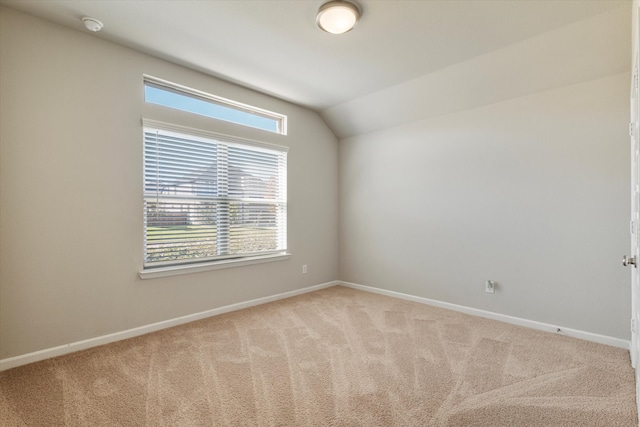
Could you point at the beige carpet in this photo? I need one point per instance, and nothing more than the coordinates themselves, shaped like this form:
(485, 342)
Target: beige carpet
(336, 357)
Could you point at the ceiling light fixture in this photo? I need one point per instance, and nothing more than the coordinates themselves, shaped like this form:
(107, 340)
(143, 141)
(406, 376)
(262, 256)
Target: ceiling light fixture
(337, 16)
(92, 24)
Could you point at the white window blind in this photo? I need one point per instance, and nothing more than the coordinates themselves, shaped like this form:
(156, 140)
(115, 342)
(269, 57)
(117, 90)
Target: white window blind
(208, 197)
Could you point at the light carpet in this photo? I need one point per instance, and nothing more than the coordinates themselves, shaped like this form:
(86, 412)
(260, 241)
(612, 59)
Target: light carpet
(335, 357)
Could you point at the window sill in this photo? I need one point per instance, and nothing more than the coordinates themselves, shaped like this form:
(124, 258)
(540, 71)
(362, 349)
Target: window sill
(175, 270)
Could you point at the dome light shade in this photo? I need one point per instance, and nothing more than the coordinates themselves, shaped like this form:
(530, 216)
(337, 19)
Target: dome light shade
(337, 16)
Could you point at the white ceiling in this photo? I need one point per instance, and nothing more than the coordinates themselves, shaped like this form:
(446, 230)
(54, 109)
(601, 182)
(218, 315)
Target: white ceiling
(275, 47)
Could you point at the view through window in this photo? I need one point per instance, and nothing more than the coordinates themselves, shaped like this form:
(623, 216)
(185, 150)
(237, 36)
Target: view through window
(210, 197)
(193, 101)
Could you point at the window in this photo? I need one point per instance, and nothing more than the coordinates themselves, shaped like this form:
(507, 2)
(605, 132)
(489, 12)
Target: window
(209, 197)
(170, 95)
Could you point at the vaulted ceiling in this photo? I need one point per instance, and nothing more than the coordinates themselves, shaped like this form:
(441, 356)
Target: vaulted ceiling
(404, 61)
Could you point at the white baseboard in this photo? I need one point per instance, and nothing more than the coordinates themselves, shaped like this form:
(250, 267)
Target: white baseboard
(588, 336)
(37, 356)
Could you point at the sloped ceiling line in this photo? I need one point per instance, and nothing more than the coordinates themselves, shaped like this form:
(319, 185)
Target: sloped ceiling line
(597, 47)
(406, 60)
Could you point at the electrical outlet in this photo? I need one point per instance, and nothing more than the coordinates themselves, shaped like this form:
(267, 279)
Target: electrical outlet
(490, 287)
(304, 268)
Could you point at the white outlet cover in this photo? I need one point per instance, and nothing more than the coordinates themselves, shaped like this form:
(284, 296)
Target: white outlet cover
(490, 287)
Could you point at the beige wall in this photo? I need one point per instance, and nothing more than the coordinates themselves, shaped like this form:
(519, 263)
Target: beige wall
(71, 192)
(634, 25)
(532, 193)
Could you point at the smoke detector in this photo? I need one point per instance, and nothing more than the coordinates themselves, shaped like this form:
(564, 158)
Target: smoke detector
(92, 24)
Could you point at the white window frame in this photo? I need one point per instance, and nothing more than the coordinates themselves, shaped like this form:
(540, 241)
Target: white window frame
(196, 265)
(280, 119)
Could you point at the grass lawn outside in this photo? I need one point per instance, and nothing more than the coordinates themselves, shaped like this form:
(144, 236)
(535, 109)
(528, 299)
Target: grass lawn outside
(183, 242)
